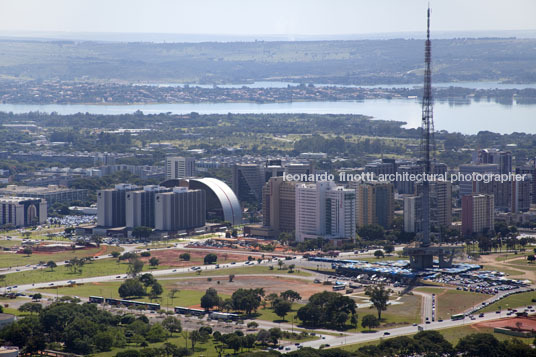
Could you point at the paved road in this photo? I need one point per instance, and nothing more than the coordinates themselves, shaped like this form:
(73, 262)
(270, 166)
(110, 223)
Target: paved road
(17, 269)
(134, 248)
(121, 277)
(351, 338)
(427, 310)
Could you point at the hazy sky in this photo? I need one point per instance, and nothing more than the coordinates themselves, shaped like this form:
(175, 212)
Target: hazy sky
(268, 17)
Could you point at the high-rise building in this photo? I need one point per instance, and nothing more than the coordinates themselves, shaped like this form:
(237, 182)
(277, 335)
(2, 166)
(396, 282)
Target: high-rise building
(509, 196)
(412, 214)
(22, 211)
(111, 205)
(181, 209)
(279, 205)
(140, 206)
(325, 210)
(404, 169)
(521, 195)
(439, 168)
(248, 180)
(272, 168)
(407, 186)
(440, 207)
(478, 214)
(530, 171)
(178, 167)
(467, 186)
(382, 167)
(300, 169)
(374, 203)
(503, 159)
(441, 203)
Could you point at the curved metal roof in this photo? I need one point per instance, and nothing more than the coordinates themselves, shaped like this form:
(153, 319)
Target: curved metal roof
(227, 198)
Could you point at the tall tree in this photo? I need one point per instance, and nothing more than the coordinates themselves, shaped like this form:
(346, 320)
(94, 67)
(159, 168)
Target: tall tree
(172, 324)
(135, 266)
(290, 295)
(131, 288)
(370, 321)
(379, 297)
(282, 307)
(210, 299)
(51, 264)
(156, 290)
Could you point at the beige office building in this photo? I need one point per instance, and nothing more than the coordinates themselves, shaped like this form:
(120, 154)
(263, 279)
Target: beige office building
(279, 205)
(478, 214)
(374, 203)
(179, 210)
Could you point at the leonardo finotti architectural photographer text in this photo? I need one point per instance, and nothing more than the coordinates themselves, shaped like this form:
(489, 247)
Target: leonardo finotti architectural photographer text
(407, 177)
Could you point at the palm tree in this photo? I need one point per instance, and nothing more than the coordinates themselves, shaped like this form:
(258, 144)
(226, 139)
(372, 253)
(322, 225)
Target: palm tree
(172, 294)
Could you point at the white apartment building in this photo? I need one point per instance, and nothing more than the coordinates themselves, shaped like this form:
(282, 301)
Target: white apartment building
(325, 210)
(179, 167)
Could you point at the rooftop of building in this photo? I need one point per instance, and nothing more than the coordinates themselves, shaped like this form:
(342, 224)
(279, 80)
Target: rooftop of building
(15, 199)
(14, 189)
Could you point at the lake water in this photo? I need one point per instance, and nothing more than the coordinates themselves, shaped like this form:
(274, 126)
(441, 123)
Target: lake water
(464, 118)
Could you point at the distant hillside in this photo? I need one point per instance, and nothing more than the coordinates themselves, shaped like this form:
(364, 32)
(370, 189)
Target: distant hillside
(342, 62)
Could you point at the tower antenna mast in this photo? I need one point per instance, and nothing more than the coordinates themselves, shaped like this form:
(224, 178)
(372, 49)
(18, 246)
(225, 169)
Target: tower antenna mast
(427, 134)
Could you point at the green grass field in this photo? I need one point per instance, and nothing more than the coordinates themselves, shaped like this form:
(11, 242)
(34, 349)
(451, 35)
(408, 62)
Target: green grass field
(505, 256)
(405, 313)
(522, 263)
(512, 301)
(9, 243)
(110, 290)
(9, 310)
(453, 335)
(429, 289)
(503, 269)
(268, 314)
(253, 269)
(98, 268)
(201, 349)
(14, 260)
(456, 301)
(451, 301)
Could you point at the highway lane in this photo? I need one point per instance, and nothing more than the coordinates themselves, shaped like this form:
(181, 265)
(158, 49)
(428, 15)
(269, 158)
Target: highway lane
(134, 248)
(121, 277)
(426, 311)
(352, 338)
(28, 267)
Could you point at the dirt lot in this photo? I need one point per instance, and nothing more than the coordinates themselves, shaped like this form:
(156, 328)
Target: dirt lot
(527, 323)
(271, 284)
(170, 257)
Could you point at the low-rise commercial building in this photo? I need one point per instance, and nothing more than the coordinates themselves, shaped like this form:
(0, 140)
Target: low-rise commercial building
(50, 193)
(22, 211)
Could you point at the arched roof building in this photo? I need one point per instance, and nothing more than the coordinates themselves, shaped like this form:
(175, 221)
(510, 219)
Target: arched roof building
(222, 202)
